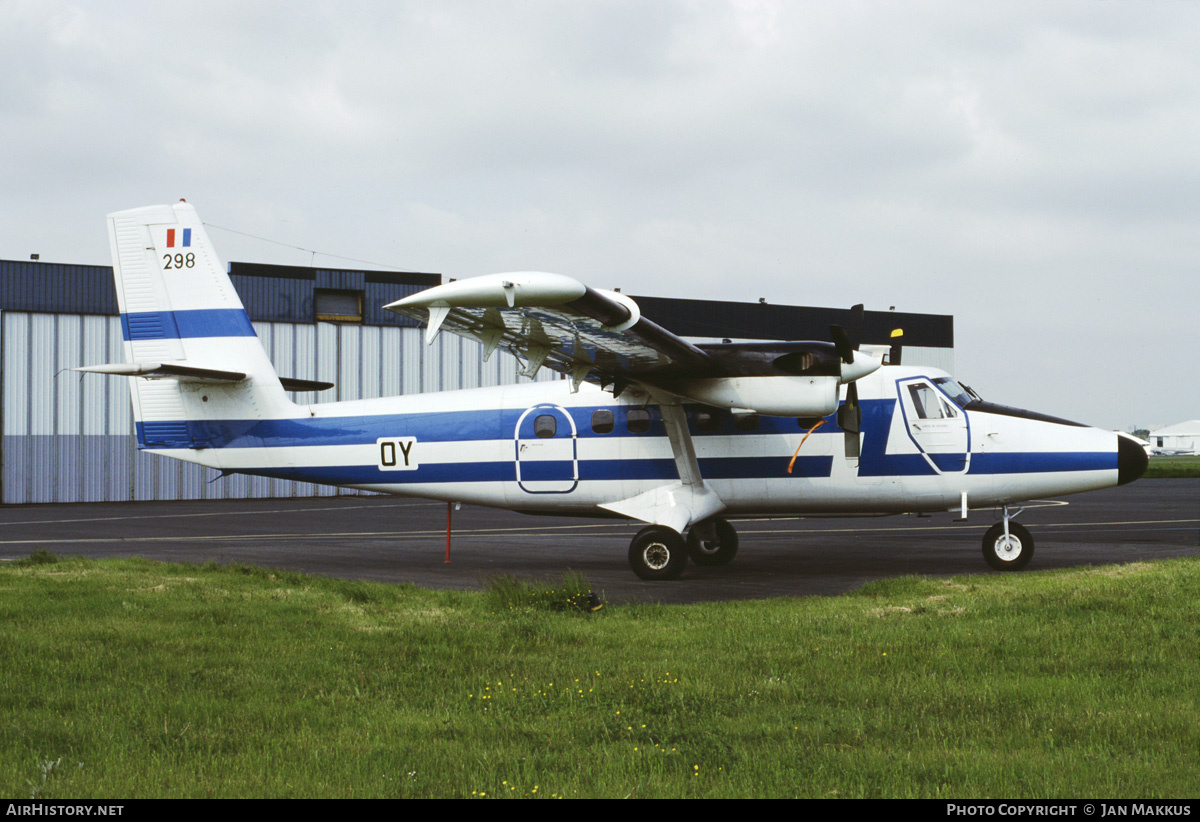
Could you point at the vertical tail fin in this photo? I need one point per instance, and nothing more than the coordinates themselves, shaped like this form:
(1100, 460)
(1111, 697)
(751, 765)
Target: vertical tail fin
(179, 311)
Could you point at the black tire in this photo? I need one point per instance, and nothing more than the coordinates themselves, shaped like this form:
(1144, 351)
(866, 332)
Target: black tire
(658, 553)
(720, 551)
(1011, 556)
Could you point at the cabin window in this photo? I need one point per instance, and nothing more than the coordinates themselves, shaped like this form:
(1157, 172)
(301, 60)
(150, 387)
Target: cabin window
(545, 426)
(603, 421)
(926, 401)
(708, 421)
(638, 420)
(746, 422)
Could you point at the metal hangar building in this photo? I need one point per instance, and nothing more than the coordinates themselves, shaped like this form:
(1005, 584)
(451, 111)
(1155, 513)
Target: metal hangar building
(68, 437)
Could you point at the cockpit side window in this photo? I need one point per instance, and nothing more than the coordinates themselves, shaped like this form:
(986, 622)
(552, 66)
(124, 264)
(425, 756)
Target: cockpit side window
(926, 401)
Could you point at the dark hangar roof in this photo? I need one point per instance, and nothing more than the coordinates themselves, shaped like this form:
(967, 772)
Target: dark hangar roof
(277, 293)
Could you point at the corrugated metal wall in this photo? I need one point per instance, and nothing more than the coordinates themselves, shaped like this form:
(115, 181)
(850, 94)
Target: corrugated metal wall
(68, 437)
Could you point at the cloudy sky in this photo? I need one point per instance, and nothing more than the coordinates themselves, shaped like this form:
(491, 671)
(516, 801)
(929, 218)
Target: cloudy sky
(1031, 168)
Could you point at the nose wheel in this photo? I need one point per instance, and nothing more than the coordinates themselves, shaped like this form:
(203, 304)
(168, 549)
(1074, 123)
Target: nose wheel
(1007, 546)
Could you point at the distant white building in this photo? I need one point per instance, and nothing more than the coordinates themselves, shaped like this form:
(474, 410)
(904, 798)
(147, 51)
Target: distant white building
(1183, 438)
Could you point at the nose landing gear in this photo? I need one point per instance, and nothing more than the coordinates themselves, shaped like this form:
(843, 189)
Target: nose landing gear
(1007, 545)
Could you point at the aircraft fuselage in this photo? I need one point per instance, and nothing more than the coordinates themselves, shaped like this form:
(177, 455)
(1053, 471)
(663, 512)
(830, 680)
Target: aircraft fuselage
(539, 447)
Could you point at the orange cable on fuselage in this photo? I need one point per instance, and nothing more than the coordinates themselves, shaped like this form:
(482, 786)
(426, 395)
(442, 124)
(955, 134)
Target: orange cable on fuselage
(801, 445)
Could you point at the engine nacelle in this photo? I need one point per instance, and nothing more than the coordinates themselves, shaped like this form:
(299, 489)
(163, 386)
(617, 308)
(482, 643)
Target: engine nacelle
(772, 396)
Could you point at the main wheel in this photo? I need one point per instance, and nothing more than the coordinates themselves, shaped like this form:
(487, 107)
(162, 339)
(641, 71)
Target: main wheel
(1011, 553)
(658, 552)
(718, 547)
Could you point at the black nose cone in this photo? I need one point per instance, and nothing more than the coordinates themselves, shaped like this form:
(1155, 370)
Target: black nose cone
(1131, 460)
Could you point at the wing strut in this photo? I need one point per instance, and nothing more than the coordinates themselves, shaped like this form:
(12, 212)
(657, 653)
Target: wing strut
(679, 504)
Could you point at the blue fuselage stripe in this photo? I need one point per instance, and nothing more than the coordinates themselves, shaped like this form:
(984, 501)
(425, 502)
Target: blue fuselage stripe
(589, 471)
(445, 426)
(1039, 462)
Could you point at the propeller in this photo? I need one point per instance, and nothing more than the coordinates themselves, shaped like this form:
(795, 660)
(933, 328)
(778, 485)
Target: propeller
(849, 415)
(897, 346)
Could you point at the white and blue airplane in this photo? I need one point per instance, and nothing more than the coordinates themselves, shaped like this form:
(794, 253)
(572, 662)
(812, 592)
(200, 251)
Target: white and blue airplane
(646, 425)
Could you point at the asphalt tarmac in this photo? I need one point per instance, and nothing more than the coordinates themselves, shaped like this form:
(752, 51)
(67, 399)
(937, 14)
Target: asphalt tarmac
(392, 539)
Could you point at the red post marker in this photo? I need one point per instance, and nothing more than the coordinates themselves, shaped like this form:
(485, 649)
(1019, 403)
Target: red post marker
(449, 509)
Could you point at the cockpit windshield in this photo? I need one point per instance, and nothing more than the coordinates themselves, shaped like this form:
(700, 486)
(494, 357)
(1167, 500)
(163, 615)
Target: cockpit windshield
(961, 395)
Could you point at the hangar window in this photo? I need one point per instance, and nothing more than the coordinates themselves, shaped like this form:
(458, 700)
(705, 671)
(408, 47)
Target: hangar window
(603, 421)
(638, 420)
(545, 426)
(332, 306)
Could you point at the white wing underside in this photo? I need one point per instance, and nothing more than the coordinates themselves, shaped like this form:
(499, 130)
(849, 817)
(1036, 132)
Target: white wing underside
(549, 337)
(549, 321)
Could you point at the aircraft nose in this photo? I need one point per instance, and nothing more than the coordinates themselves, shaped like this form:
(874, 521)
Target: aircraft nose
(1131, 460)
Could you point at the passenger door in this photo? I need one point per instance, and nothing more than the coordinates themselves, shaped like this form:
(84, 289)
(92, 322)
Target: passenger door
(547, 459)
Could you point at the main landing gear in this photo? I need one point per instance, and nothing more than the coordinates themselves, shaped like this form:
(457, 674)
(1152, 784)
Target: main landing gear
(659, 552)
(1007, 545)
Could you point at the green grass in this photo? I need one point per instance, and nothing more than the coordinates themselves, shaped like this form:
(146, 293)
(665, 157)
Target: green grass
(1173, 467)
(570, 592)
(128, 678)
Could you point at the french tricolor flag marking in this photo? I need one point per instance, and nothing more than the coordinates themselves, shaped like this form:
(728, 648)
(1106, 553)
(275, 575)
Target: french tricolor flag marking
(185, 241)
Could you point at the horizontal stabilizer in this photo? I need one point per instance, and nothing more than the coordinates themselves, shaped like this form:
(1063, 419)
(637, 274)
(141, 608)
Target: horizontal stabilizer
(294, 384)
(165, 371)
(188, 373)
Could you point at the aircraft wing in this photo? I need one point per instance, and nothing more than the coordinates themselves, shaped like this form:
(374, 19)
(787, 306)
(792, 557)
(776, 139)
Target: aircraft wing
(557, 322)
(560, 323)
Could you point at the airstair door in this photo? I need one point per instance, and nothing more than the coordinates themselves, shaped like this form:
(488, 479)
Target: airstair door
(547, 457)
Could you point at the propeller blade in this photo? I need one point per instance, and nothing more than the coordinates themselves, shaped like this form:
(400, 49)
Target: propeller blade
(847, 342)
(841, 341)
(857, 317)
(850, 420)
(897, 346)
(850, 414)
